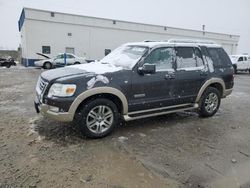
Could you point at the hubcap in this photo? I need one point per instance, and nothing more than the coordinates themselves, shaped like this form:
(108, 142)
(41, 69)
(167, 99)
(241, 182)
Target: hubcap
(100, 119)
(211, 102)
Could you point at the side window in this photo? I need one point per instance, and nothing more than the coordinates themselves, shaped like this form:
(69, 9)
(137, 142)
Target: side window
(219, 57)
(69, 56)
(245, 58)
(186, 57)
(240, 59)
(162, 58)
(61, 56)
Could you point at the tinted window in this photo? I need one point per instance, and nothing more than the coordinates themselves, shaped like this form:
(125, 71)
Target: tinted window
(245, 58)
(219, 57)
(240, 59)
(188, 57)
(46, 49)
(69, 56)
(61, 56)
(162, 58)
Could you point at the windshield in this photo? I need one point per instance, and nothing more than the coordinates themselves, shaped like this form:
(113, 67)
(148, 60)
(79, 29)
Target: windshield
(125, 56)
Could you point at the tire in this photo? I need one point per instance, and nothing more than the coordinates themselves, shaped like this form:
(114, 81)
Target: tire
(210, 102)
(77, 63)
(47, 65)
(8, 66)
(91, 118)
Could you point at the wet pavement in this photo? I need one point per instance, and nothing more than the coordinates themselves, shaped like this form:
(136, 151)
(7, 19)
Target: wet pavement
(176, 150)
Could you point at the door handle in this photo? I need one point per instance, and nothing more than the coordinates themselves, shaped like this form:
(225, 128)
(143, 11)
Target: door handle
(170, 76)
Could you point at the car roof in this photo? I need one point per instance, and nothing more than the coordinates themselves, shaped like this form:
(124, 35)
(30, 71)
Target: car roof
(176, 42)
(239, 55)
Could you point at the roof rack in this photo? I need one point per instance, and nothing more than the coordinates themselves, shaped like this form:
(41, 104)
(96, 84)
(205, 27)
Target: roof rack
(190, 41)
(149, 41)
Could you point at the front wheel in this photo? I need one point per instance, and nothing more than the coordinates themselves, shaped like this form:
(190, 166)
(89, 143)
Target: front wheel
(97, 118)
(210, 102)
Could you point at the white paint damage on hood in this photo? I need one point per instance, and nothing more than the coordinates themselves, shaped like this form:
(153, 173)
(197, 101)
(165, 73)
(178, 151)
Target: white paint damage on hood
(97, 67)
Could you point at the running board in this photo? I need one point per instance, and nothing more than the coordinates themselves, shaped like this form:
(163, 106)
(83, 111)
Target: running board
(161, 111)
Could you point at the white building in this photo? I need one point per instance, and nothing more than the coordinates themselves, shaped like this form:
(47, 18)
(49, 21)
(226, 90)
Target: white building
(51, 33)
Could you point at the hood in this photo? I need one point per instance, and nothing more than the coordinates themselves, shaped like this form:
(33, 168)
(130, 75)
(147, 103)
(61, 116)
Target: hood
(40, 54)
(95, 68)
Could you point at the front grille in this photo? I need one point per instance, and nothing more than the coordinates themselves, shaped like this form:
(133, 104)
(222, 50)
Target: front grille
(41, 86)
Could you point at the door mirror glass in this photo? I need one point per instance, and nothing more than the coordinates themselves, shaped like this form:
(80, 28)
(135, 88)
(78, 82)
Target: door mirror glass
(147, 69)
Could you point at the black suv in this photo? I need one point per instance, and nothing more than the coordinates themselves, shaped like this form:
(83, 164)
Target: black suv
(7, 62)
(137, 80)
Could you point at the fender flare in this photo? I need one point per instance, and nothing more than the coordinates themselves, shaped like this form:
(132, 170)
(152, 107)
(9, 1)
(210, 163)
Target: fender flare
(208, 83)
(99, 90)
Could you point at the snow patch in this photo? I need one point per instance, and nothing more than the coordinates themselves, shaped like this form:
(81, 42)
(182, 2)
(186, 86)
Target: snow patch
(97, 67)
(94, 80)
(122, 139)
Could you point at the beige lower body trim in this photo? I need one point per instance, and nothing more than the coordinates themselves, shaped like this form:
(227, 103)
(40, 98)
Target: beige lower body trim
(207, 83)
(58, 116)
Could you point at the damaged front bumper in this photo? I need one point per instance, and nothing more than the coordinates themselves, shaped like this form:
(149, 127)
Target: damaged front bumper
(52, 112)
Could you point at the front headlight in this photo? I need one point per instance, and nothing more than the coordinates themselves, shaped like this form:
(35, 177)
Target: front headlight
(62, 90)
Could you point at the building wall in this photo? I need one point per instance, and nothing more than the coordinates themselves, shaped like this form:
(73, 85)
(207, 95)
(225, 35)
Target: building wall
(91, 36)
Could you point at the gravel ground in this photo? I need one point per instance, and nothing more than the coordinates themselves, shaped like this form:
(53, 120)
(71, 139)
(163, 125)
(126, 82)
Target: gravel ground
(178, 150)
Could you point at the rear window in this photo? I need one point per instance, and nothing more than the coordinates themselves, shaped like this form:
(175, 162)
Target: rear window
(219, 57)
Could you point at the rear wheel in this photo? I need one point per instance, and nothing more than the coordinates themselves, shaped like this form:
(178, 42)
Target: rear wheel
(47, 65)
(210, 102)
(97, 118)
(77, 63)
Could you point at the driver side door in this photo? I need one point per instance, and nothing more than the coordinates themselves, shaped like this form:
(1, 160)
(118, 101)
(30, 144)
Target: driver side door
(157, 89)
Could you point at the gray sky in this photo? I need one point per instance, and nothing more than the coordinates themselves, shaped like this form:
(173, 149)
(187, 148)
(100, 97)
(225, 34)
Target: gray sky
(225, 16)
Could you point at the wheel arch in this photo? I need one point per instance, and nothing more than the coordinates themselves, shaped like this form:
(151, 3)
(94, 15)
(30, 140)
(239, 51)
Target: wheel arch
(110, 93)
(47, 62)
(217, 83)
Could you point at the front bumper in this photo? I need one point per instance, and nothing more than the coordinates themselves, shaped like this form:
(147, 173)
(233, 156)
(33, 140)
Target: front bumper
(58, 116)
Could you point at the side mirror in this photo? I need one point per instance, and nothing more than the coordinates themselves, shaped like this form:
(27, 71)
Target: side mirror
(147, 69)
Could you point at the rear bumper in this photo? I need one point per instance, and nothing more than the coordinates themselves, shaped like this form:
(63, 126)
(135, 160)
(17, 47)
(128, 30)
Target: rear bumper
(46, 110)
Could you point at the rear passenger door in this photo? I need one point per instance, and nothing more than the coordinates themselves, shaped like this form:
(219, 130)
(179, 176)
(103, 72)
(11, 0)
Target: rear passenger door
(190, 73)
